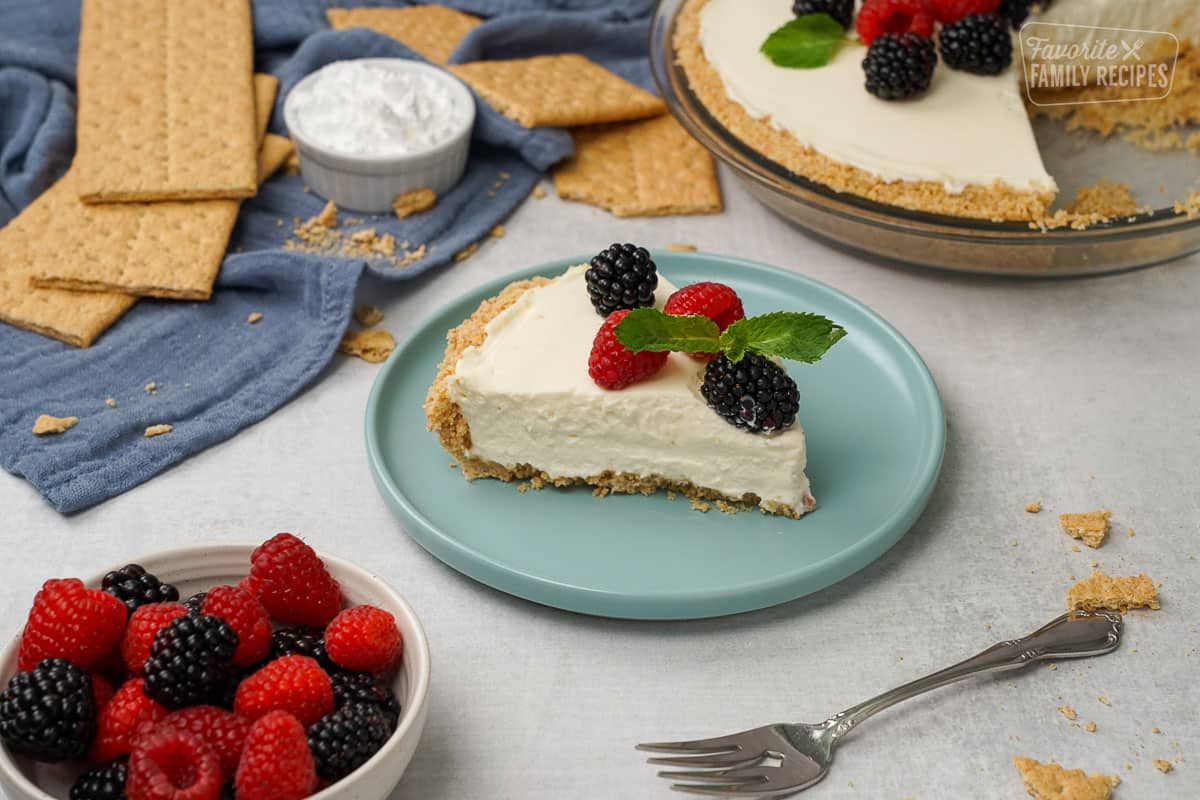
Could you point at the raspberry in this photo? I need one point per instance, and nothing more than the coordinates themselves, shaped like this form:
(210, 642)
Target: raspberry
(614, 366)
(105, 782)
(135, 587)
(840, 10)
(143, 625)
(713, 300)
(119, 721)
(362, 687)
(189, 661)
(344, 741)
(293, 584)
(70, 621)
(170, 764)
(954, 10)
(102, 691)
(222, 731)
(246, 616)
(755, 393)
(980, 43)
(295, 684)
(276, 763)
(621, 276)
(302, 641)
(363, 639)
(899, 65)
(877, 17)
(48, 713)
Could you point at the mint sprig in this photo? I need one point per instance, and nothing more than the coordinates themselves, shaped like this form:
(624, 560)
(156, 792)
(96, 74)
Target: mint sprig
(805, 42)
(783, 334)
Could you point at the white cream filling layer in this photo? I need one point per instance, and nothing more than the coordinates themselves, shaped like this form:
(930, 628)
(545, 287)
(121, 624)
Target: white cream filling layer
(528, 399)
(966, 130)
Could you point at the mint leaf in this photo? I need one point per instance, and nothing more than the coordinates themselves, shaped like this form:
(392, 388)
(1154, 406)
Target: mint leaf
(650, 329)
(805, 42)
(786, 334)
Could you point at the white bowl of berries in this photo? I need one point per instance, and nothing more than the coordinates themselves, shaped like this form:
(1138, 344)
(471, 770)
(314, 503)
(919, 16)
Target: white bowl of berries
(229, 672)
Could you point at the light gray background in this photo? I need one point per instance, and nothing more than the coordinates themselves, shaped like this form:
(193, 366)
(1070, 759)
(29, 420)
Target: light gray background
(1084, 394)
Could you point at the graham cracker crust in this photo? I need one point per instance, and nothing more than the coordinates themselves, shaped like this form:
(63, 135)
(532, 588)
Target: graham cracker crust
(996, 202)
(444, 417)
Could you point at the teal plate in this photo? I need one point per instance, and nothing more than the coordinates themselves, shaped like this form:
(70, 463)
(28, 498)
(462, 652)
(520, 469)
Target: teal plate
(876, 434)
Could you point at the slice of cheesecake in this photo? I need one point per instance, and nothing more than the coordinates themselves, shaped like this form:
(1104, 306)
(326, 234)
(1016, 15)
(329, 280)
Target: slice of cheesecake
(513, 400)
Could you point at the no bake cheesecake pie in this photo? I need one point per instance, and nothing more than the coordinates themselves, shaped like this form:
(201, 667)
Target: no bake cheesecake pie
(536, 385)
(881, 122)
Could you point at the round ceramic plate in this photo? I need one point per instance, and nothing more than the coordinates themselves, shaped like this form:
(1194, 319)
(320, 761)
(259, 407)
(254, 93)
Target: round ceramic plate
(875, 429)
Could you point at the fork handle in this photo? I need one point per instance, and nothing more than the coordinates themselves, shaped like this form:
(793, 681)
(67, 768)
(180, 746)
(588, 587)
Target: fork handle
(1068, 636)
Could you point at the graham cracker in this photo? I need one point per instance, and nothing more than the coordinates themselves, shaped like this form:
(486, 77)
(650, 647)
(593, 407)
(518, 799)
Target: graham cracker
(414, 202)
(640, 169)
(1113, 592)
(171, 250)
(166, 100)
(561, 90)
(433, 31)
(1052, 781)
(1091, 527)
(373, 345)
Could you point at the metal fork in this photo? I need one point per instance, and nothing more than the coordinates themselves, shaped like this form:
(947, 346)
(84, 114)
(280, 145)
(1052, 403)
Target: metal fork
(781, 759)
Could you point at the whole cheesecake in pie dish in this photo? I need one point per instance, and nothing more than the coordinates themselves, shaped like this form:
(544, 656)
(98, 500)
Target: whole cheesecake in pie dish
(536, 386)
(918, 103)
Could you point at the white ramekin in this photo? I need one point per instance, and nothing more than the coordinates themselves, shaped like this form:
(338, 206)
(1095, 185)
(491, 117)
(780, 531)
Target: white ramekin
(370, 183)
(194, 569)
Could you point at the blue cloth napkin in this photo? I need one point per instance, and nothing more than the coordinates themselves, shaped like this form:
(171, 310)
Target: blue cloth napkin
(214, 373)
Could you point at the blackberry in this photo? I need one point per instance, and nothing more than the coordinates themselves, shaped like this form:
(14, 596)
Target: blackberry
(840, 10)
(899, 65)
(134, 587)
(362, 687)
(755, 393)
(106, 782)
(302, 641)
(195, 602)
(978, 43)
(189, 661)
(622, 276)
(48, 713)
(1016, 11)
(342, 742)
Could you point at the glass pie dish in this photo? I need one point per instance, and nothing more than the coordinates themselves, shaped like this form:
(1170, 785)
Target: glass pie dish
(959, 244)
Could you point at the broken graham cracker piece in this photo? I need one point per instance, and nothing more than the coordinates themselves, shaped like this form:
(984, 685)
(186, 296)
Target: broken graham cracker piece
(328, 216)
(266, 86)
(1052, 781)
(374, 345)
(274, 153)
(1113, 593)
(1091, 527)
(414, 202)
(557, 90)
(166, 101)
(254, 317)
(46, 424)
(1162, 765)
(1033, 506)
(642, 169)
(432, 30)
(368, 315)
(158, 430)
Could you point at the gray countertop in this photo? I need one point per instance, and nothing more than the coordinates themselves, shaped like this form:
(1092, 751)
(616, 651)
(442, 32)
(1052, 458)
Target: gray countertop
(1083, 394)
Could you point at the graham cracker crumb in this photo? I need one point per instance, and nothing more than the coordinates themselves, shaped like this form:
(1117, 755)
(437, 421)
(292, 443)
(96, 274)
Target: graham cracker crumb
(1189, 205)
(670, 496)
(1091, 527)
(1114, 593)
(682, 247)
(1052, 667)
(46, 424)
(522, 487)
(1075, 549)
(1033, 506)
(414, 202)
(108, 401)
(158, 430)
(1104, 700)
(466, 252)
(328, 216)
(538, 192)
(373, 345)
(1052, 781)
(368, 315)
(727, 507)
(1104, 198)
(1090, 727)
(312, 236)
(1068, 712)
(700, 505)
(1162, 765)
(364, 236)
(1155, 729)
(151, 387)
(254, 317)
(1131, 533)
(497, 231)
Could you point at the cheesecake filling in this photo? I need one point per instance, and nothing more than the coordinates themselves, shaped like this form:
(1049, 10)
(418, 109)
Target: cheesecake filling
(527, 397)
(965, 130)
